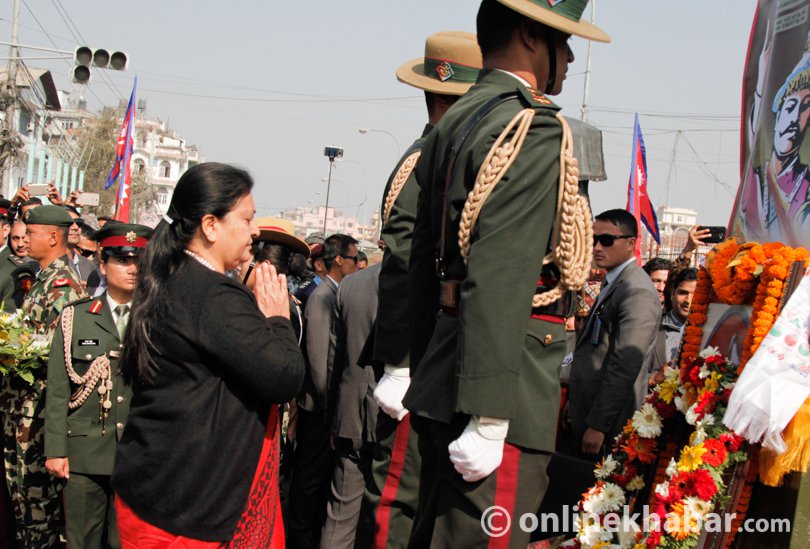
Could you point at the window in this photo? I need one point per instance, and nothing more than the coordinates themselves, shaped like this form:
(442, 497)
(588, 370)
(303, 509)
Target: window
(162, 196)
(140, 167)
(142, 139)
(165, 169)
(680, 219)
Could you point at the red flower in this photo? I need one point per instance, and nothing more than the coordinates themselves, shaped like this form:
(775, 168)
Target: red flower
(705, 404)
(732, 441)
(666, 411)
(654, 539)
(697, 483)
(642, 449)
(630, 471)
(694, 376)
(715, 452)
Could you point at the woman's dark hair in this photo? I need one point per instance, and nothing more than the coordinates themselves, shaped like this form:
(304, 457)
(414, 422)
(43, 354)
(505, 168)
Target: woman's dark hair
(281, 257)
(208, 188)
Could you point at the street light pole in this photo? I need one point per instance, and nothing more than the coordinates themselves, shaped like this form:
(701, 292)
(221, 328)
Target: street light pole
(394, 137)
(331, 153)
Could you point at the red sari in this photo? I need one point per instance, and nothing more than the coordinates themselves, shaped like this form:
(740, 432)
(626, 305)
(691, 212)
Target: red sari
(260, 526)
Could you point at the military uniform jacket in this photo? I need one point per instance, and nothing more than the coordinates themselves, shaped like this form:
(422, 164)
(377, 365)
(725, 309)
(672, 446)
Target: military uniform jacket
(77, 434)
(392, 330)
(491, 359)
(16, 277)
(54, 287)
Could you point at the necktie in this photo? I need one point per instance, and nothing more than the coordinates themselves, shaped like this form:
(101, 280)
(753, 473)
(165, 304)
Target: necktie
(122, 312)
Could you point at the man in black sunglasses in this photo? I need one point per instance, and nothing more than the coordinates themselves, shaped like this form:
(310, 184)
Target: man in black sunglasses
(82, 265)
(608, 383)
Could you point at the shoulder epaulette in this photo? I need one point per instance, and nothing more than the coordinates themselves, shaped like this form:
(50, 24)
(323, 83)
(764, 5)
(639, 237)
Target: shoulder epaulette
(16, 260)
(61, 282)
(79, 301)
(96, 307)
(537, 98)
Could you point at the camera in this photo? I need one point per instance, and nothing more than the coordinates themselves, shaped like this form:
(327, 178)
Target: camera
(333, 152)
(718, 234)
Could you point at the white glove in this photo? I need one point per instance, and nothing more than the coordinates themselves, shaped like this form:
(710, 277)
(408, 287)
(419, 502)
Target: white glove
(391, 390)
(479, 449)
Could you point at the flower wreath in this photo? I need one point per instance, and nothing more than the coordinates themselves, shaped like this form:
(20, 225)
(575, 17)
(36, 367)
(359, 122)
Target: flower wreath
(689, 487)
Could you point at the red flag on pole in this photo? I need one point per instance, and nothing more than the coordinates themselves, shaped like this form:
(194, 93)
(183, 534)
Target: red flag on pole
(638, 201)
(123, 159)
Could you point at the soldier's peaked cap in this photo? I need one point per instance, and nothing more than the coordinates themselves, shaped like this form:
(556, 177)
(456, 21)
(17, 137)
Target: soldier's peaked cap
(48, 215)
(123, 239)
(563, 15)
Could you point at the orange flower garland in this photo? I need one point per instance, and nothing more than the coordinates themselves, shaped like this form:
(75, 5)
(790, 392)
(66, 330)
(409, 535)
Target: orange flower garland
(693, 332)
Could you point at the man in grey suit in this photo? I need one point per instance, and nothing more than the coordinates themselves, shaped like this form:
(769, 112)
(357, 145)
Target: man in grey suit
(607, 381)
(354, 409)
(312, 462)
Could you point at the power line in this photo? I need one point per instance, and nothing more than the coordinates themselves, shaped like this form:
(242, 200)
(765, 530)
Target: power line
(268, 100)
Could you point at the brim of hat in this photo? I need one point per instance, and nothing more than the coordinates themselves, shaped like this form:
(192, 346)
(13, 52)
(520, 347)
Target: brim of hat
(293, 242)
(583, 29)
(413, 74)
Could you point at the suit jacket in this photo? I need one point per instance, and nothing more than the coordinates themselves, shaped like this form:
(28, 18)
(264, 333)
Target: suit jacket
(492, 359)
(85, 268)
(16, 277)
(662, 353)
(79, 434)
(607, 381)
(317, 329)
(392, 331)
(355, 411)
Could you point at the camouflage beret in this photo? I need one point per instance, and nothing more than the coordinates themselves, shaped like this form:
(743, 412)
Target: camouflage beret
(48, 215)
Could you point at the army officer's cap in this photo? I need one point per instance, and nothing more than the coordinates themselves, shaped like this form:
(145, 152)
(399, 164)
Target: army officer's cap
(48, 215)
(123, 239)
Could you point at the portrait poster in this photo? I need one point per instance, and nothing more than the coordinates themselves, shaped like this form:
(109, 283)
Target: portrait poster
(773, 199)
(726, 327)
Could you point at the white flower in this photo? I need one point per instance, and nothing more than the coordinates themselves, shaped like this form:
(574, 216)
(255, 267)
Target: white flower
(613, 497)
(697, 506)
(672, 468)
(647, 422)
(636, 484)
(662, 489)
(680, 404)
(703, 373)
(708, 419)
(709, 352)
(691, 414)
(672, 374)
(700, 434)
(607, 467)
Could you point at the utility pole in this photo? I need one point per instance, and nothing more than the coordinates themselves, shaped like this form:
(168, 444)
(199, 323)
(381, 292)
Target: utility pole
(11, 93)
(584, 108)
(331, 153)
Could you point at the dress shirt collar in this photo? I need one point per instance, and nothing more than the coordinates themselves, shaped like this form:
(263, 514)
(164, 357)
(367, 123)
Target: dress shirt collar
(113, 304)
(516, 77)
(614, 273)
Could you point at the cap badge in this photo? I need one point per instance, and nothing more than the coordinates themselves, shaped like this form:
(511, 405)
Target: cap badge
(445, 71)
(553, 3)
(131, 237)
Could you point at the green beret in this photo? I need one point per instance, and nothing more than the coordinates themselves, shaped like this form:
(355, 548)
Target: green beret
(48, 215)
(123, 239)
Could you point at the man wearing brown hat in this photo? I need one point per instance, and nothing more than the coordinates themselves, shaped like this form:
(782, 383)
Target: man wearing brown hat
(34, 493)
(448, 69)
(488, 321)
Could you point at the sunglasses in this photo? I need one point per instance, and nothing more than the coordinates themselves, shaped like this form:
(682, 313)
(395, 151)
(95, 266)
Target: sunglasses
(79, 222)
(352, 257)
(607, 240)
(86, 253)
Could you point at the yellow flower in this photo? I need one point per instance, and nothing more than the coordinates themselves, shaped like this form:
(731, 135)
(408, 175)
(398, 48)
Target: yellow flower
(691, 457)
(669, 390)
(712, 383)
(601, 545)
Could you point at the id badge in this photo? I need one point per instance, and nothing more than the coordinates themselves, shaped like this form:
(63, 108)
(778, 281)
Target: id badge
(596, 330)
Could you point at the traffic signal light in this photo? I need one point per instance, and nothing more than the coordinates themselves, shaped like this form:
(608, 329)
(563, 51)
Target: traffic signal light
(85, 57)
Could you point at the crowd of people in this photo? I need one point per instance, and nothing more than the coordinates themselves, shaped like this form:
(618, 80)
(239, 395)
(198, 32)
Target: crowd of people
(221, 382)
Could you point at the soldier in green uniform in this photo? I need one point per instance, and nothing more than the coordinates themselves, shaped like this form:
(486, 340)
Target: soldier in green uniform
(34, 493)
(448, 69)
(88, 402)
(16, 275)
(488, 332)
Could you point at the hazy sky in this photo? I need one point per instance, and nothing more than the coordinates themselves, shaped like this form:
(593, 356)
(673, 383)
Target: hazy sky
(268, 84)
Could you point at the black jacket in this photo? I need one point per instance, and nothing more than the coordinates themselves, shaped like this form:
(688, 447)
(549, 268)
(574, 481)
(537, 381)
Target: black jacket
(191, 447)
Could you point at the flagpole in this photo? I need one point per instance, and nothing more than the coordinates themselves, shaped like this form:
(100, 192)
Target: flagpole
(584, 109)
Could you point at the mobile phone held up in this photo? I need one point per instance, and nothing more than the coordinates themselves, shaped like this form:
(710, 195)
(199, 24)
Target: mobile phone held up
(718, 234)
(87, 199)
(38, 189)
